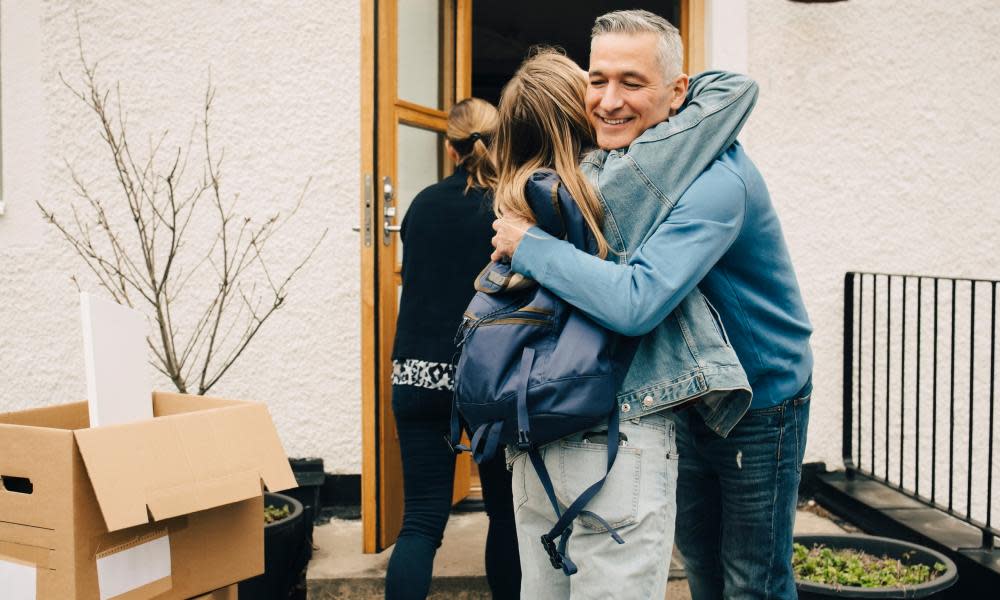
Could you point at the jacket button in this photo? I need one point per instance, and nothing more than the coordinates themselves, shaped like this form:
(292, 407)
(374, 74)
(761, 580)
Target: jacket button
(647, 401)
(626, 407)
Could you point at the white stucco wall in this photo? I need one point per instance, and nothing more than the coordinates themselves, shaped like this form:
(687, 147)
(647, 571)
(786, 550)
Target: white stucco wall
(877, 131)
(286, 110)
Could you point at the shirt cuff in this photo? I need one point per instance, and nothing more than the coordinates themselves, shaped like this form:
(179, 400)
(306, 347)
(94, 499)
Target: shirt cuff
(530, 255)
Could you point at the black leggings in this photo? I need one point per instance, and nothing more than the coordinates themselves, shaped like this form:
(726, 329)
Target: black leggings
(422, 420)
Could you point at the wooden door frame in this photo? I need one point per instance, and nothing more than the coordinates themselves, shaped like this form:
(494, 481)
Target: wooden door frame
(367, 241)
(692, 28)
(374, 354)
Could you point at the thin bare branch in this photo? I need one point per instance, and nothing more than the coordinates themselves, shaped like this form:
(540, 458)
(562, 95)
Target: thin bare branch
(148, 260)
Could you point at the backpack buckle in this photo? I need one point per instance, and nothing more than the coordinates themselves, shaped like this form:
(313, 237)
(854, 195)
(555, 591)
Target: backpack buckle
(455, 448)
(523, 443)
(550, 548)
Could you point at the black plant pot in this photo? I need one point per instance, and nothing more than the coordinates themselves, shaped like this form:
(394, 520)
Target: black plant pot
(286, 553)
(878, 546)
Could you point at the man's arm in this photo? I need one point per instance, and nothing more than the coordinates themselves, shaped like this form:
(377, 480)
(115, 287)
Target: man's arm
(721, 95)
(634, 298)
(673, 153)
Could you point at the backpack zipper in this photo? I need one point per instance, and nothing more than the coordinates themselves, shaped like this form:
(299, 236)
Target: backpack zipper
(525, 315)
(538, 317)
(524, 320)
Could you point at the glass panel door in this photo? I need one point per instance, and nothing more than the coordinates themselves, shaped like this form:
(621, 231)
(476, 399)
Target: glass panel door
(419, 163)
(419, 48)
(415, 76)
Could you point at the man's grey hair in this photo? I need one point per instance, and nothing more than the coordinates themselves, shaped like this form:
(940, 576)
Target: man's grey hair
(670, 48)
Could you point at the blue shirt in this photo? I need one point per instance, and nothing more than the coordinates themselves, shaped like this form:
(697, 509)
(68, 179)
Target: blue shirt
(723, 236)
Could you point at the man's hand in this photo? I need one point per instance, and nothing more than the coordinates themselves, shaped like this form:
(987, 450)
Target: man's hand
(509, 230)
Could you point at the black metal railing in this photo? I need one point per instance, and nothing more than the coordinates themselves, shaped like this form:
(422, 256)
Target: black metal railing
(919, 390)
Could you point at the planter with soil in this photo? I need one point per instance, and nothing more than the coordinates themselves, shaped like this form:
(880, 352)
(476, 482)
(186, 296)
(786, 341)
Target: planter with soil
(286, 551)
(862, 566)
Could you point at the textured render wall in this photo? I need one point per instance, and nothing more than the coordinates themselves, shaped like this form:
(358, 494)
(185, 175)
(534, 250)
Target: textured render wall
(877, 130)
(286, 109)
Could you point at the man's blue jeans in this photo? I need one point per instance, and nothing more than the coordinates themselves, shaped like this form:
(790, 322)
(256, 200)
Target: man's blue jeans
(736, 499)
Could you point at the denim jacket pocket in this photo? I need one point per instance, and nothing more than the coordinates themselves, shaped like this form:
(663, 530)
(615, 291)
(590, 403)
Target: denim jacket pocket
(576, 465)
(718, 321)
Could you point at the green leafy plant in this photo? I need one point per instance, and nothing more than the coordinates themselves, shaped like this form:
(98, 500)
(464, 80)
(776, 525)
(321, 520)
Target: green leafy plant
(273, 513)
(859, 569)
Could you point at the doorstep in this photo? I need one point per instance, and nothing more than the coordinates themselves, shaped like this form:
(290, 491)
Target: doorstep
(340, 571)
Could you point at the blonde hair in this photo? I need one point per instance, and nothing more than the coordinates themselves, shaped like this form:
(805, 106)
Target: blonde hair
(471, 125)
(544, 125)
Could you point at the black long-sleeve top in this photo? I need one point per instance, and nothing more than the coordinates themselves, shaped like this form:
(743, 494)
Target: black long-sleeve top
(446, 235)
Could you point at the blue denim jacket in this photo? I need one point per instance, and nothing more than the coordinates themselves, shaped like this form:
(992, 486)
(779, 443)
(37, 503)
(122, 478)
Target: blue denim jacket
(687, 355)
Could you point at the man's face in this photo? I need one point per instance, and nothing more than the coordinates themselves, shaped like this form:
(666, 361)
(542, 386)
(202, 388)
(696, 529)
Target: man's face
(627, 92)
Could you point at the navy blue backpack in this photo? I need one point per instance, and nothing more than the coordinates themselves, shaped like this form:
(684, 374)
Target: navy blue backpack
(534, 369)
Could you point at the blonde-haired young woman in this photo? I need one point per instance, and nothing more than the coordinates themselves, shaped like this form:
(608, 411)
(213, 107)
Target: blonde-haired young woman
(446, 234)
(543, 133)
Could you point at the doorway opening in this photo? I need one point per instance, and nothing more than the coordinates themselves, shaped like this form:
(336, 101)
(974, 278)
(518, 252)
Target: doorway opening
(503, 32)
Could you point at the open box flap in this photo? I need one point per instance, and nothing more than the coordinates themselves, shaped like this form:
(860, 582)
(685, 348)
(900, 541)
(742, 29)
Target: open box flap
(183, 463)
(63, 416)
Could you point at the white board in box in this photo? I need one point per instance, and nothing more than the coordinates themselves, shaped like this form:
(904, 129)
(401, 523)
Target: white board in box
(119, 389)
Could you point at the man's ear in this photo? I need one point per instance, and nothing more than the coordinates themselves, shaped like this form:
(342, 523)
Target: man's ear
(680, 88)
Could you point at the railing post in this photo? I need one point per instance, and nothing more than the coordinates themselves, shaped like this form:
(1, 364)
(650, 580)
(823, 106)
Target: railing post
(989, 540)
(848, 376)
(987, 536)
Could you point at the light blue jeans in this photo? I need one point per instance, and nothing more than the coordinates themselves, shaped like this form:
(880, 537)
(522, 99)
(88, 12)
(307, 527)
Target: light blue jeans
(638, 500)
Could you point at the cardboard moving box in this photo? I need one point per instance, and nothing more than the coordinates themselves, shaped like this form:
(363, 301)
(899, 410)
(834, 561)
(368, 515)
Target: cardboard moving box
(165, 508)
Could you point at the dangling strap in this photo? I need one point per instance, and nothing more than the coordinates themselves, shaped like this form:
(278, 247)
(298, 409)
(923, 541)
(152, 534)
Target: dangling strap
(455, 438)
(562, 529)
(477, 437)
(523, 423)
(486, 441)
(557, 557)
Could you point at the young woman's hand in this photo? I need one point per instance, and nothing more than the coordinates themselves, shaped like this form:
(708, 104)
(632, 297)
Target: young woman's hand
(510, 230)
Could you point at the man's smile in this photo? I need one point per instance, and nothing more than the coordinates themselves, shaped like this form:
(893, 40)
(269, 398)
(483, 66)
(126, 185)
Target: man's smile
(619, 121)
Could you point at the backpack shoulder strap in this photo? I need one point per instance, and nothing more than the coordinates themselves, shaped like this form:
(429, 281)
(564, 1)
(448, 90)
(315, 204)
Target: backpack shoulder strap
(556, 211)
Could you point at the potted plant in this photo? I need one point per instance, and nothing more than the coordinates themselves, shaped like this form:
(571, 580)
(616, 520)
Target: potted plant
(286, 550)
(862, 566)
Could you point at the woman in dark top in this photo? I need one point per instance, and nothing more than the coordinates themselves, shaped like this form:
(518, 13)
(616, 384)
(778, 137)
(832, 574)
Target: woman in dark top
(446, 234)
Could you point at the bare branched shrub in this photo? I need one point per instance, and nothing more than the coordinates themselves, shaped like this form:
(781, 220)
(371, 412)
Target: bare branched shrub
(138, 246)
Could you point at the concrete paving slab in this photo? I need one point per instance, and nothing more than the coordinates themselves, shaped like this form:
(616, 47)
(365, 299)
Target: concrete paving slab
(338, 554)
(339, 570)
(807, 523)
